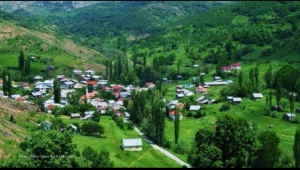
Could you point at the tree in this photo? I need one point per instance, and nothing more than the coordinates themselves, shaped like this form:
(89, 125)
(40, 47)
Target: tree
(202, 80)
(297, 90)
(57, 124)
(178, 64)
(291, 100)
(270, 98)
(296, 148)
(229, 144)
(278, 90)
(27, 66)
(96, 159)
(6, 85)
(176, 124)
(269, 152)
(91, 128)
(48, 149)
(96, 117)
(256, 74)
(268, 77)
(241, 79)
(144, 60)
(21, 60)
(57, 91)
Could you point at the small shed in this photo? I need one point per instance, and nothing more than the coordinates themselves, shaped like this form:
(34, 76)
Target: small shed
(45, 125)
(179, 95)
(194, 107)
(132, 144)
(288, 116)
(75, 115)
(236, 100)
(256, 96)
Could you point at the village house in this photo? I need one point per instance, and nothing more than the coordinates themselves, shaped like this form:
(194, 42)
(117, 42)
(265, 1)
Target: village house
(132, 144)
(288, 116)
(234, 66)
(89, 72)
(45, 125)
(50, 68)
(60, 77)
(236, 100)
(77, 72)
(75, 115)
(38, 78)
(194, 107)
(255, 96)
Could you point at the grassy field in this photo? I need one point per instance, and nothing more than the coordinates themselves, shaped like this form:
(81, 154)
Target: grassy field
(111, 141)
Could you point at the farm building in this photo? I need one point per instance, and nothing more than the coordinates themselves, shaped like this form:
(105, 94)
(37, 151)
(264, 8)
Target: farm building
(132, 144)
(236, 100)
(195, 107)
(75, 115)
(45, 125)
(216, 83)
(288, 116)
(256, 96)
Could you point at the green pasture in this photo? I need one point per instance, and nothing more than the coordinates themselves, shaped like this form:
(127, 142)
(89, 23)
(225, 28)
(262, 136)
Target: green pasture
(111, 141)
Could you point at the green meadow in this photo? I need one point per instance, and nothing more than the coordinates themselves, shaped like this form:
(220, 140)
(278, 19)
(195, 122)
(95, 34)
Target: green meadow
(111, 141)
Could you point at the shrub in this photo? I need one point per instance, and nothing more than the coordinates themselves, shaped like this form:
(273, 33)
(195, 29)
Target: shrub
(181, 147)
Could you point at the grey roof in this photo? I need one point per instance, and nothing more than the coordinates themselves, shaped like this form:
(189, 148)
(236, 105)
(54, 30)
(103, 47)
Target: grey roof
(132, 142)
(75, 115)
(236, 99)
(216, 83)
(257, 95)
(195, 107)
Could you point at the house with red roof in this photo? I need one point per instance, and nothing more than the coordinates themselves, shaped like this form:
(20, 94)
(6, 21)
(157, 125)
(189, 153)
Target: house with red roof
(226, 69)
(233, 66)
(116, 88)
(89, 95)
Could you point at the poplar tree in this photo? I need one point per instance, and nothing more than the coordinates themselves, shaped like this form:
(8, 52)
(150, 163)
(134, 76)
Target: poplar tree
(176, 124)
(278, 90)
(21, 60)
(57, 92)
(296, 148)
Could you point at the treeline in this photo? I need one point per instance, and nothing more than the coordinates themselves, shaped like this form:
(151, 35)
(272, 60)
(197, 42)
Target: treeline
(55, 149)
(233, 143)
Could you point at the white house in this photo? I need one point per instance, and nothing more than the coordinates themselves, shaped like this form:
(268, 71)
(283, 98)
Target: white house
(132, 144)
(77, 72)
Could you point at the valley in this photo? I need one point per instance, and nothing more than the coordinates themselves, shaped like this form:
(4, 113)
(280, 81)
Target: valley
(151, 62)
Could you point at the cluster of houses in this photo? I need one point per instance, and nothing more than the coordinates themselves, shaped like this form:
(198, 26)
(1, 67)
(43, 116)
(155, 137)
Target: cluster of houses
(234, 66)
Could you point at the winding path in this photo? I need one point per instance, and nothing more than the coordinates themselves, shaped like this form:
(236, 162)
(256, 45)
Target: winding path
(170, 155)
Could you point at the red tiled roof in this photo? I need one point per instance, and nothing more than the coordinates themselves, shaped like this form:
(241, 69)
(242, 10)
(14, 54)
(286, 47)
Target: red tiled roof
(235, 64)
(117, 87)
(92, 82)
(121, 99)
(103, 87)
(226, 68)
(50, 107)
(116, 93)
